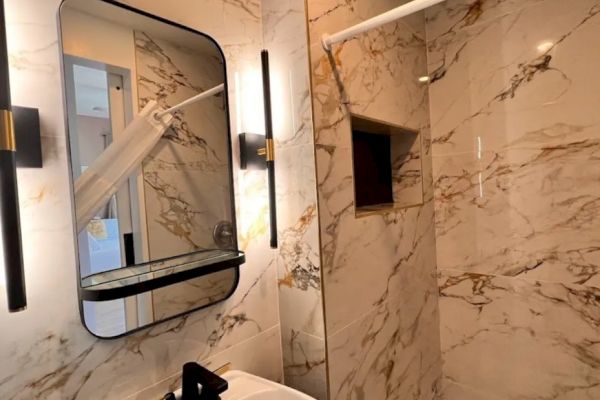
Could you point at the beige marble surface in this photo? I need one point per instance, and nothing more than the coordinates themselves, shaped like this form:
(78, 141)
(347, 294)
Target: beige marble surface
(370, 264)
(515, 338)
(515, 165)
(187, 175)
(46, 353)
(298, 259)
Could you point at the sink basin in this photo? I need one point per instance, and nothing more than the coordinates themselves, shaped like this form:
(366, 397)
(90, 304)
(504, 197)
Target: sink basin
(244, 386)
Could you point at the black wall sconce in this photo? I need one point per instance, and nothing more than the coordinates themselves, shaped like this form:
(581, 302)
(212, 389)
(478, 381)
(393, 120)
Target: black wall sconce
(9, 198)
(19, 128)
(258, 151)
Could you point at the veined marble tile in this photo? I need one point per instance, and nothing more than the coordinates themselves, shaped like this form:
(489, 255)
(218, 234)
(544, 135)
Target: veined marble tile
(193, 153)
(515, 338)
(455, 391)
(33, 49)
(46, 353)
(372, 263)
(502, 84)
(304, 363)
(375, 76)
(213, 17)
(248, 356)
(530, 213)
(387, 353)
(453, 15)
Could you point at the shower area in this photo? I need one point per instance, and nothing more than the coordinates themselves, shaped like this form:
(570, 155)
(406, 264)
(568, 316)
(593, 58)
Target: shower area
(515, 146)
(486, 286)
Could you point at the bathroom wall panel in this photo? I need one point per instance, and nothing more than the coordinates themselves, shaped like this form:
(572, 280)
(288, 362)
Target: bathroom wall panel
(46, 352)
(243, 356)
(298, 258)
(514, 338)
(515, 135)
(379, 270)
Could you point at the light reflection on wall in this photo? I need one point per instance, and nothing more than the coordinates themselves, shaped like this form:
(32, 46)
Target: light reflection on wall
(253, 203)
(250, 101)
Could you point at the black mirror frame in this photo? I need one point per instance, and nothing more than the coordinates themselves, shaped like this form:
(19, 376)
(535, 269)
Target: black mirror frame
(230, 162)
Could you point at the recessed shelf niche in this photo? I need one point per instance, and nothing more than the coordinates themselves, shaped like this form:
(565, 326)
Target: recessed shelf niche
(387, 166)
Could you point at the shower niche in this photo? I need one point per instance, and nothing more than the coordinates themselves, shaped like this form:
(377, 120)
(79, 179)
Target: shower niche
(387, 163)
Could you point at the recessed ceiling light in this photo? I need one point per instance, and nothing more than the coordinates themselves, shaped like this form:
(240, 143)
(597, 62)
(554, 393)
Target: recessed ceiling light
(424, 79)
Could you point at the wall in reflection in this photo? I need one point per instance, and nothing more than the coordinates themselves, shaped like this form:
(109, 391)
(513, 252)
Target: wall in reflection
(298, 258)
(186, 177)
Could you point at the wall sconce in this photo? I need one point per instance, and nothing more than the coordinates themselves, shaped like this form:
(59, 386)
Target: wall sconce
(9, 198)
(258, 151)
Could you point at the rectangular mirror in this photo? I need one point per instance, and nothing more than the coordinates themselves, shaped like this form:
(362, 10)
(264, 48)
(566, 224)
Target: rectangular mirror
(165, 242)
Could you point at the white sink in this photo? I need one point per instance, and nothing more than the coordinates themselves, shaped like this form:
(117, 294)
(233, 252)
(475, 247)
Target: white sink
(244, 386)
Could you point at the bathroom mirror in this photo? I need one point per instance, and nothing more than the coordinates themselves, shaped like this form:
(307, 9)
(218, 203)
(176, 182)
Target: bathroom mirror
(165, 242)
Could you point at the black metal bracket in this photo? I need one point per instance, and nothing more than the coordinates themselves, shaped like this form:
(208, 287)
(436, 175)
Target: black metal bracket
(252, 148)
(28, 138)
(154, 279)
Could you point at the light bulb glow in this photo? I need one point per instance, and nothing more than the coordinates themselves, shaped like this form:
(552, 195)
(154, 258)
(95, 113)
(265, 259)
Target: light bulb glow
(424, 79)
(545, 46)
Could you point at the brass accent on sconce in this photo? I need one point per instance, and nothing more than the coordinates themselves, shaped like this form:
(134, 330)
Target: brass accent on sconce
(269, 151)
(7, 132)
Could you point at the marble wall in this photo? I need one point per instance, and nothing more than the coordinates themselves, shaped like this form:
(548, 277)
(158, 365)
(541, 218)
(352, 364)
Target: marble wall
(379, 284)
(46, 353)
(515, 135)
(187, 174)
(299, 264)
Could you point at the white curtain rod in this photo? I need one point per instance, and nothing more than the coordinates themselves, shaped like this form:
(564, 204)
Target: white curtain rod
(198, 97)
(375, 22)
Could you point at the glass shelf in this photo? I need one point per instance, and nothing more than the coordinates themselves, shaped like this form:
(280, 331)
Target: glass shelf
(129, 281)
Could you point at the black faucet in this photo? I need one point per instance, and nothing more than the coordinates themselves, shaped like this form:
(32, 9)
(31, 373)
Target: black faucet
(212, 384)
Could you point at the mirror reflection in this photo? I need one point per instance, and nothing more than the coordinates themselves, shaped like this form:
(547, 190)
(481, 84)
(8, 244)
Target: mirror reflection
(147, 187)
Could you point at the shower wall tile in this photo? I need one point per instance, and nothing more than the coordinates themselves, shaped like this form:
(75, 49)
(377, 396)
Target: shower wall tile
(46, 353)
(380, 355)
(360, 81)
(527, 213)
(453, 15)
(517, 338)
(527, 88)
(515, 165)
(452, 391)
(378, 270)
(304, 363)
(298, 255)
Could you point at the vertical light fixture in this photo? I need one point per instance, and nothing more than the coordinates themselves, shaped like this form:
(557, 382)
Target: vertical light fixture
(9, 200)
(269, 146)
(257, 152)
